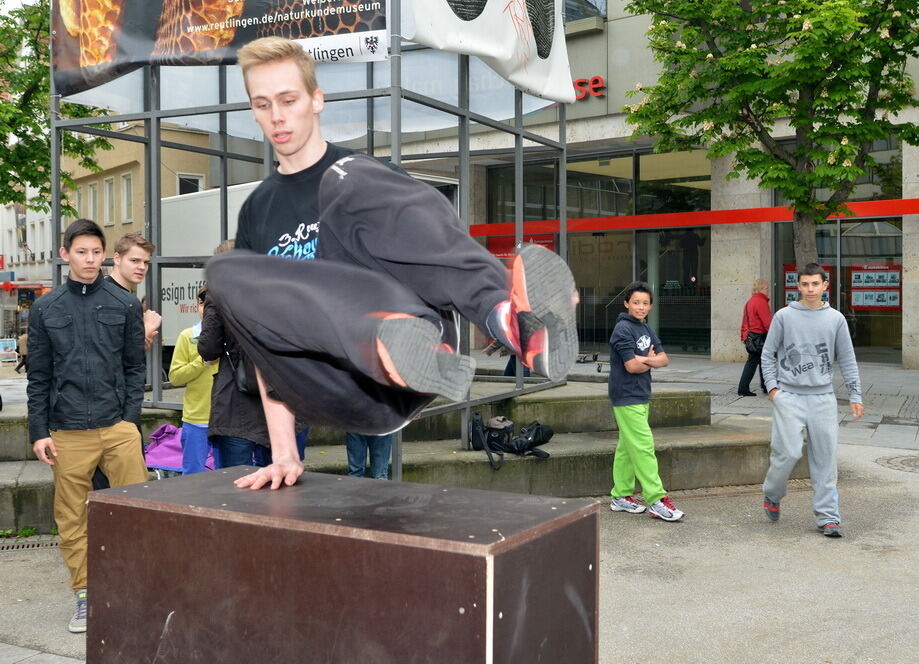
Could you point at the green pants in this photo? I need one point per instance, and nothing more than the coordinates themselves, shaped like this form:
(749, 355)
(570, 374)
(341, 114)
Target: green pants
(635, 458)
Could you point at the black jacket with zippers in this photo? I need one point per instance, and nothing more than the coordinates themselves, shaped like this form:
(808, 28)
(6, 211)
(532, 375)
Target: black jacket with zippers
(86, 364)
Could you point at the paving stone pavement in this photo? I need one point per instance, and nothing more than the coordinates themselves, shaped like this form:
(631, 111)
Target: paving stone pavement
(726, 601)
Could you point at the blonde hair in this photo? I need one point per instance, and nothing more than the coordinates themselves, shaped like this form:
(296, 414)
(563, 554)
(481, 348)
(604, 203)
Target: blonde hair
(760, 285)
(277, 49)
(225, 246)
(124, 245)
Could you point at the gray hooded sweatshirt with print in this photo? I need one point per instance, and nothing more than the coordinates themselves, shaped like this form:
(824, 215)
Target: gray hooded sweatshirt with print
(800, 349)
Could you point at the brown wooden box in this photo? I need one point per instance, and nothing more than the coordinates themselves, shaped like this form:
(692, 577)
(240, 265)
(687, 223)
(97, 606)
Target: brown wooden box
(338, 569)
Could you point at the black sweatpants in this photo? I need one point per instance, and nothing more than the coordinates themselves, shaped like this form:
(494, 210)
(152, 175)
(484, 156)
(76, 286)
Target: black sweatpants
(387, 244)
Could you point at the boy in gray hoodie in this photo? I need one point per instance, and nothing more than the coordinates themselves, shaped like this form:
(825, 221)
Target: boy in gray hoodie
(797, 365)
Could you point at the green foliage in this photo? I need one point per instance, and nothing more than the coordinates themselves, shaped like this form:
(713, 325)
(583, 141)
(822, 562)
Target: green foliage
(735, 73)
(25, 112)
(27, 531)
(6, 532)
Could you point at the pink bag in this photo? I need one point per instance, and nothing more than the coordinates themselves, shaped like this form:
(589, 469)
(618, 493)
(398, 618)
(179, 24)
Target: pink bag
(165, 450)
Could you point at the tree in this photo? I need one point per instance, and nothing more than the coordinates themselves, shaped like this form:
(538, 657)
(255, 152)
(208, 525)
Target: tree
(737, 72)
(25, 113)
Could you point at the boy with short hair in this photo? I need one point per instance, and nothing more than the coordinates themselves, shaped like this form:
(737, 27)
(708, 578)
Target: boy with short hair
(797, 364)
(86, 385)
(364, 337)
(132, 261)
(634, 351)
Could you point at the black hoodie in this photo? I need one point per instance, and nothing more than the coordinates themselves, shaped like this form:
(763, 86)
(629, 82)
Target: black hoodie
(630, 337)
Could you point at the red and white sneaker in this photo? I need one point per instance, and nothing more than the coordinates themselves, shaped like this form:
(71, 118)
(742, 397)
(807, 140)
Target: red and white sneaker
(538, 322)
(626, 504)
(413, 356)
(665, 509)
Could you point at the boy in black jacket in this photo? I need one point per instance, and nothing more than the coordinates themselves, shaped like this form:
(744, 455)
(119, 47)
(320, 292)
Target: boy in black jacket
(634, 351)
(86, 384)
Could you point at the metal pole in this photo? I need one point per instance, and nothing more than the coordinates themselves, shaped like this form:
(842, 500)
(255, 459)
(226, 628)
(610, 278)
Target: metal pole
(563, 183)
(395, 136)
(465, 175)
(518, 194)
(57, 270)
(152, 215)
(224, 148)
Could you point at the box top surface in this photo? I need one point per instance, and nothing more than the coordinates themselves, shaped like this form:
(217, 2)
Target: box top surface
(323, 502)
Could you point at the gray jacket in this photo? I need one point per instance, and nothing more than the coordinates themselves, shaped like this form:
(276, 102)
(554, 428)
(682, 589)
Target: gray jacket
(801, 347)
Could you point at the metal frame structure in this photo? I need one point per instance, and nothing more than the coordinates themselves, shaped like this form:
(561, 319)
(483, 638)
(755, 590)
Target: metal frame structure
(153, 115)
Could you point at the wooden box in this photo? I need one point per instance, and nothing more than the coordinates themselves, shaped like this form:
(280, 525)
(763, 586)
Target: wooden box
(339, 569)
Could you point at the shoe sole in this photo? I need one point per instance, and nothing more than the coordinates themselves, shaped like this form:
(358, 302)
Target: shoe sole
(639, 509)
(416, 351)
(75, 630)
(549, 291)
(830, 532)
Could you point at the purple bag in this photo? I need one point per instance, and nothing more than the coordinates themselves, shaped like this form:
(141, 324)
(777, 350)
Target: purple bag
(165, 450)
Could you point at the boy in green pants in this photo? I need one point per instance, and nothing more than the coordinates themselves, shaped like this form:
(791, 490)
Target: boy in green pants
(634, 351)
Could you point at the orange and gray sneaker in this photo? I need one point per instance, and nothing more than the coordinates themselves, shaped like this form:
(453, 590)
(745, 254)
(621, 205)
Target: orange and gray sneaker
(537, 322)
(414, 356)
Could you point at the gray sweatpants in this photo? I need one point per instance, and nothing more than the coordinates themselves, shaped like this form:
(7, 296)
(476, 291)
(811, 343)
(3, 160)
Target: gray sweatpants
(792, 413)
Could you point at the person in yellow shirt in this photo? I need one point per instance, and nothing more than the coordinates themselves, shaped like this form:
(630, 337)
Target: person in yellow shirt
(188, 368)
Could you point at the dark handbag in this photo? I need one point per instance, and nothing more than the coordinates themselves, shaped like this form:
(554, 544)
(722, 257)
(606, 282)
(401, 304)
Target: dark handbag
(243, 374)
(478, 440)
(530, 438)
(754, 342)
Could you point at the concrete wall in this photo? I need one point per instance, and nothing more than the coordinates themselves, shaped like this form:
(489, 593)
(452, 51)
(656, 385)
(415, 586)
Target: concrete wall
(740, 253)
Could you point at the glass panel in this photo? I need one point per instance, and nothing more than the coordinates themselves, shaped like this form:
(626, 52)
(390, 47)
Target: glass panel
(236, 87)
(602, 268)
(600, 187)
(341, 76)
(871, 268)
(123, 95)
(865, 280)
(575, 9)
(883, 182)
(431, 73)
(184, 87)
(677, 265)
(489, 94)
(674, 182)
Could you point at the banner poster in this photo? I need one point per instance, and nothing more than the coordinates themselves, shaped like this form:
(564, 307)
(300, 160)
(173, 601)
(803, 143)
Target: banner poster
(875, 286)
(522, 40)
(95, 41)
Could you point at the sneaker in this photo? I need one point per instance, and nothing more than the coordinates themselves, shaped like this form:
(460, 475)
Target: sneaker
(626, 504)
(831, 529)
(414, 357)
(537, 322)
(772, 508)
(77, 624)
(665, 509)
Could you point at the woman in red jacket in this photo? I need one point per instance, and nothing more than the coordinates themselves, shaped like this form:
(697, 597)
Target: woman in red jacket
(756, 320)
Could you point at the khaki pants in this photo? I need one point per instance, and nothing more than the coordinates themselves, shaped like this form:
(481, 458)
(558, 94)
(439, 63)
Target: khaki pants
(117, 450)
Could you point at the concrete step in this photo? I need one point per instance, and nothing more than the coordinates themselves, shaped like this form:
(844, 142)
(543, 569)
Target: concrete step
(735, 451)
(571, 408)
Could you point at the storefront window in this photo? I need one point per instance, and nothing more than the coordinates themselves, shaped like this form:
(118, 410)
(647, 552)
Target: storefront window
(677, 265)
(674, 182)
(602, 267)
(864, 259)
(883, 182)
